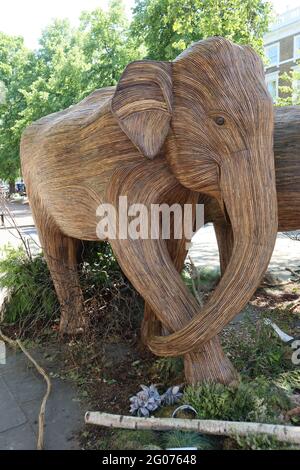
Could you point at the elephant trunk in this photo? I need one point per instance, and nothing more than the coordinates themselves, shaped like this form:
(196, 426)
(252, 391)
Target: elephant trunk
(249, 199)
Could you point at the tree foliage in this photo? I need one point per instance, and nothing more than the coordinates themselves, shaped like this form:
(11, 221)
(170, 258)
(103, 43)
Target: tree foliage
(16, 71)
(71, 62)
(67, 66)
(289, 88)
(167, 27)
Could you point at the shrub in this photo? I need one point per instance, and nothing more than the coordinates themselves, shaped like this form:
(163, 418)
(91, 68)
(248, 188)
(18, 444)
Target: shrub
(177, 439)
(98, 265)
(289, 381)
(169, 368)
(133, 440)
(31, 293)
(256, 350)
(114, 308)
(112, 304)
(258, 400)
(262, 442)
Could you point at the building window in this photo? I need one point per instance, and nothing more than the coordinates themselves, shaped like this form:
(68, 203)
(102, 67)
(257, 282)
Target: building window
(272, 85)
(272, 53)
(297, 47)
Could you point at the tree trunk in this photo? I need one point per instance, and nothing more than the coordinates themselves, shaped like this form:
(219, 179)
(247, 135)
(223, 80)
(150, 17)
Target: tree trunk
(12, 187)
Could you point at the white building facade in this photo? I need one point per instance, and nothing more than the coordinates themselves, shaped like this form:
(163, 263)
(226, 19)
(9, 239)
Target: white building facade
(282, 49)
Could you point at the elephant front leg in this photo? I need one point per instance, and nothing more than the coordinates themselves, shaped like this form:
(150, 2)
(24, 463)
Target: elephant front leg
(210, 363)
(152, 266)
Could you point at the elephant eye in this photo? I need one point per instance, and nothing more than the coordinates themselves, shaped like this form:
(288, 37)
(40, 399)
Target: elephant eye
(220, 120)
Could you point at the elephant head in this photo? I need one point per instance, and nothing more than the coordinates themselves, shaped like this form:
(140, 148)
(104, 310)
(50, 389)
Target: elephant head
(211, 113)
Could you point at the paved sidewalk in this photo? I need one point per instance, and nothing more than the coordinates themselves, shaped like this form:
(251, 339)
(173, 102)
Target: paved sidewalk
(204, 252)
(23, 218)
(21, 392)
(22, 388)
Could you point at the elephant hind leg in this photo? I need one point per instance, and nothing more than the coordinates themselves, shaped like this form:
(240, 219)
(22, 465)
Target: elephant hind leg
(61, 254)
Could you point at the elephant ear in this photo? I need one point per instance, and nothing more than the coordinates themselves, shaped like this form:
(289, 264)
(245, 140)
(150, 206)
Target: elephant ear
(142, 104)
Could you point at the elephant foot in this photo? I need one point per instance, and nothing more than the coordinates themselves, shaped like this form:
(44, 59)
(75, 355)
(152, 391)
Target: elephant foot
(74, 328)
(210, 364)
(73, 321)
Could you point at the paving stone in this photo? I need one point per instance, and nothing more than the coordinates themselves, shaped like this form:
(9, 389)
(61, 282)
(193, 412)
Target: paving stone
(20, 438)
(13, 359)
(21, 392)
(64, 417)
(11, 414)
(24, 385)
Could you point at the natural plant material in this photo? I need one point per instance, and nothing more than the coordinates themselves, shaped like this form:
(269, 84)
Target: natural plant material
(211, 401)
(168, 26)
(113, 306)
(169, 367)
(257, 400)
(289, 381)
(125, 439)
(149, 399)
(31, 295)
(176, 439)
(172, 396)
(145, 401)
(200, 280)
(262, 442)
(157, 93)
(255, 349)
(281, 334)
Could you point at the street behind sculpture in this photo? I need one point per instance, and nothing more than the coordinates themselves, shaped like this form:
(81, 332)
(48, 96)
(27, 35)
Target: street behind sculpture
(168, 133)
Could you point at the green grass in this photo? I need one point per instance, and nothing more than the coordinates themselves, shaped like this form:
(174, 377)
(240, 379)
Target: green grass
(134, 440)
(178, 439)
(255, 349)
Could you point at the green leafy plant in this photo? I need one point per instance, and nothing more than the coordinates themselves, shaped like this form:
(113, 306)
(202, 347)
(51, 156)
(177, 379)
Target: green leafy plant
(133, 440)
(115, 308)
(261, 442)
(289, 381)
(98, 265)
(211, 401)
(31, 293)
(255, 349)
(169, 367)
(258, 400)
(177, 439)
(167, 27)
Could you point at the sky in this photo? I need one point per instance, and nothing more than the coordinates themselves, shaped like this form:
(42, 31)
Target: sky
(28, 18)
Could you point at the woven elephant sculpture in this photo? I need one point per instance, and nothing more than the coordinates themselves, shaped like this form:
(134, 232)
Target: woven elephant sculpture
(169, 131)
